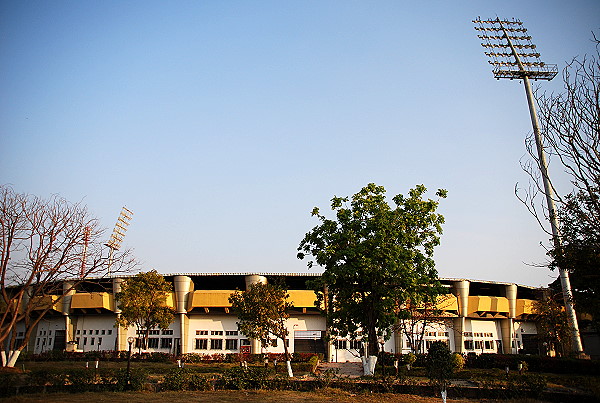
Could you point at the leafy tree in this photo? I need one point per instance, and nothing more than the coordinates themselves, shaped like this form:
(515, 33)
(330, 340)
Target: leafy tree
(375, 258)
(42, 243)
(579, 253)
(262, 311)
(439, 364)
(554, 329)
(143, 303)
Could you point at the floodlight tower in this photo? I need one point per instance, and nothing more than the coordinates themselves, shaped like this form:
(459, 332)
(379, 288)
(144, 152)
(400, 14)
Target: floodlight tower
(114, 243)
(513, 56)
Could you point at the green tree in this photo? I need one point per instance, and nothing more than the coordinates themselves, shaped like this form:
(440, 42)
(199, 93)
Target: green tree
(375, 258)
(262, 311)
(439, 364)
(143, 303)
(553, 324)
(579, 253)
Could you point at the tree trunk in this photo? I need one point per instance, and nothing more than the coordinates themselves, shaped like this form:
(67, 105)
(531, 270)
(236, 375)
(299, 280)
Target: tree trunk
(11, 359)
(288, 362)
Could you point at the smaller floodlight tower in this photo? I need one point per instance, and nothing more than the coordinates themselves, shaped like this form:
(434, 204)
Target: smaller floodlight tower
(114, 243)
(514, 56)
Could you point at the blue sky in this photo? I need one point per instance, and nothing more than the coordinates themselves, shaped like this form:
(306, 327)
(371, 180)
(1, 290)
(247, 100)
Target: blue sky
(222, 124)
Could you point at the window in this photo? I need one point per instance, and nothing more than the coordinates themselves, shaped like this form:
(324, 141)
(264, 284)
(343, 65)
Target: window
(78, 331)
(85, 341)
(274, 342)
(154, 332)
(468, 334)
(231, 333)
(468, 344)
(49, 332)
(341, 344)
(153, 342)
(431, 334)
(38, 342)
(84, 332)
(478, 345)
(201, 344)
(166, 342)
(97, 331)
(92, 341)
(244, 342)
(99, 340)
(231, 344)
(201, 332)
(355, 344)
(50, 341)
(216, 344)
(103, 331)
(216, 333)
(167, 332)
(109, 331)
(489, 344)
(77, 340)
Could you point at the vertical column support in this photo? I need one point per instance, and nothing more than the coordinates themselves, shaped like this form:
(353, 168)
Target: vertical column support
(461, 291)
(183, 287)
(121, 333)
(250, 279)
(68, 291)
(507, 324)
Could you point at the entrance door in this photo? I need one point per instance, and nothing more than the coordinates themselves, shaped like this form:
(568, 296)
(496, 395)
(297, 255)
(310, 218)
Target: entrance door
(309, 341)
(60, 340)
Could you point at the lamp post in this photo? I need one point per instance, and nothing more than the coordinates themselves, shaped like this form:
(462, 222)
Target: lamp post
(514, 56)
(130, 340)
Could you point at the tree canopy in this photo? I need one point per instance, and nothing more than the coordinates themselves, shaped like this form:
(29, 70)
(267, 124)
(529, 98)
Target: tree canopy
(375, 257)
(142, 301)
(262, 311)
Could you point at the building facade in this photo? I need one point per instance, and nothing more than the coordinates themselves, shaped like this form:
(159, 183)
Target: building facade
(476, 316)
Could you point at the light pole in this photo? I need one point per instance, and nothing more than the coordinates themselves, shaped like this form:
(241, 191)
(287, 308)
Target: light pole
(130, 340)
(513, 56)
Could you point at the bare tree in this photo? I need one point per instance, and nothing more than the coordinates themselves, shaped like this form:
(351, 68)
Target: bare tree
(570, 129)
(43, 243)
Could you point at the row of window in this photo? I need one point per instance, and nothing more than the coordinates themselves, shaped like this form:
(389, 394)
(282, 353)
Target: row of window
(216, 332)
(155, 332)
(85, 340)
(478, 334)
(483, 345)
(217, 344)
(153, 342)
(92, 332)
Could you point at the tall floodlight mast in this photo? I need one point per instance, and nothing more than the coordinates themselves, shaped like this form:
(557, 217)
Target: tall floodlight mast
(513, 56)
(114, 243)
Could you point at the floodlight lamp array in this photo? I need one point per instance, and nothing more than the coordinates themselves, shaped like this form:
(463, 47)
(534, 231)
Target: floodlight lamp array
(511, 52)
(120, 228)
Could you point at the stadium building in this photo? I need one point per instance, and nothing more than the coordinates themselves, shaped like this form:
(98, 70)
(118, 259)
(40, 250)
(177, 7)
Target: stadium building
(477, 316)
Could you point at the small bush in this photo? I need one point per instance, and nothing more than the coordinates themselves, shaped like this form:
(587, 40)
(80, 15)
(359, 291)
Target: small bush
(238, 378)
(458, 361)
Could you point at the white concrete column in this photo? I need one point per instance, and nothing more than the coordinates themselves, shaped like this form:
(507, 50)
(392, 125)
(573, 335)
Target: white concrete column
(183, 287)
(68, 292)
(121, 332)
(507, 325)
(461, 290)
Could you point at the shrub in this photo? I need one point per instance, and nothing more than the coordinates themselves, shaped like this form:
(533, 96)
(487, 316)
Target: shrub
(238, 378)
(136, 380)
(177, 379)
(458, 361)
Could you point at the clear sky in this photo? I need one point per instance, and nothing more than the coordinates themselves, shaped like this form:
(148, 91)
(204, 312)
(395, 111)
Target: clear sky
(222, 124)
